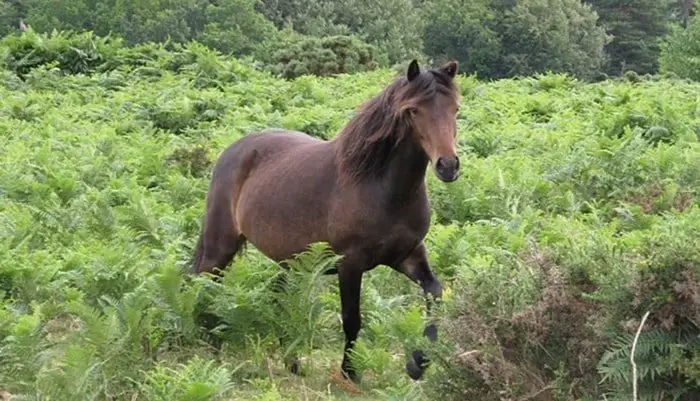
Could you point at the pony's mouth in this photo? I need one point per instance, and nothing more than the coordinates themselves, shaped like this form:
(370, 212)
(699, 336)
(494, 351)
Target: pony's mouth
(444, 176)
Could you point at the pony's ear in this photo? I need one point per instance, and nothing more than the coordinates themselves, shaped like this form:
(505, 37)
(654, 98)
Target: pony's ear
(413, 70)
(450, 68)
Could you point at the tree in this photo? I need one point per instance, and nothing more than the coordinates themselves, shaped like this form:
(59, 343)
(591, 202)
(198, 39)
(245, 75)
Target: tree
(462, 30)
(308, 17)
(683, 11)
(554, 35)
(637, 27)
(680, 52)
(11, 13)
(505, 38)
(235, 26)
(393, 27)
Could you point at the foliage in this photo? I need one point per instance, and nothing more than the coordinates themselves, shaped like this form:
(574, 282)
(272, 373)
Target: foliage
(576, 212)
(11, 13)
(465, 31)
(70, 52)
(235, 26)
(683, 11)
(551, 35)
(637, 28)
(492, 38)
(391, 26)
(322, 56)
(527, 37)
(228, 25)
(680, 53)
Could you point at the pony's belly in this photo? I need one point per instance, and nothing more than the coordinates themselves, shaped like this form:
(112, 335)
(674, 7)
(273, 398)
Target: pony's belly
(283, 206)
(279, 244)
(278, 230)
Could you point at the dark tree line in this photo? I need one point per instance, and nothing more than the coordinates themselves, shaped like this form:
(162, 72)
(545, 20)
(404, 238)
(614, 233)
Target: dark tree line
(493, 38)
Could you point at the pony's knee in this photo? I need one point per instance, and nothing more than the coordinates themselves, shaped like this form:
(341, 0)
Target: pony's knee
(434, 288)
(431, 332)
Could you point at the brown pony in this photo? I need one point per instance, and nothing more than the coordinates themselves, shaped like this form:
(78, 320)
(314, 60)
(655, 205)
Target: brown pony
(363, 193)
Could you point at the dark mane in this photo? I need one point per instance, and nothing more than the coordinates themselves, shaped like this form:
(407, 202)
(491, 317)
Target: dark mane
(366, 142)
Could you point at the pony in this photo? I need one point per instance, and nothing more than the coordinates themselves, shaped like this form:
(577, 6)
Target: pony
(363, 193)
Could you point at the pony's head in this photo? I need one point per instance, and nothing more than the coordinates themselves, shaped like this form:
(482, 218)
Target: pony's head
(420, 106)
(429, 103)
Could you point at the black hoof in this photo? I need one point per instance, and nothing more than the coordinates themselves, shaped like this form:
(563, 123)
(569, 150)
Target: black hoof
(352, 376)
(294, 366)
(416, 365)
(349, 372)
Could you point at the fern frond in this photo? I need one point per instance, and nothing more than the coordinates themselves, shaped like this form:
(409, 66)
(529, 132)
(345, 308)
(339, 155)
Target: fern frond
(655, 377)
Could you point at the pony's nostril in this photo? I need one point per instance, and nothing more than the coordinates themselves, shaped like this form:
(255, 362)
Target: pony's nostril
(456, 163)
(440, 163)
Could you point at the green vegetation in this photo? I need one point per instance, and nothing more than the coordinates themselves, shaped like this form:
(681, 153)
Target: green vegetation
(680, 53)
(637, 27)
(492, 38)
(502, 40)
(576, 213)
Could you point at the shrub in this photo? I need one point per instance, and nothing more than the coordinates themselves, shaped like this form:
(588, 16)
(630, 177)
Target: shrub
(323, 56)
(74, 53)
(632, 76)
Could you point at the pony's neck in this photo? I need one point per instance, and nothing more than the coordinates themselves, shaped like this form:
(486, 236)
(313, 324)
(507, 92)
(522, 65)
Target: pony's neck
(392, 159)
(406, 168)
(378, 147)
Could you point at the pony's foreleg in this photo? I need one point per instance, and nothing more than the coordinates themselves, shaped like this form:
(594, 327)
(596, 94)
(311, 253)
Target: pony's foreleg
(417, 268)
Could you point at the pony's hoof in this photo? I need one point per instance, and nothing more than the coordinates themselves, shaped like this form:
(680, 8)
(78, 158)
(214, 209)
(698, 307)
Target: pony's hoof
(414, 371)
(340, 379)
(416, 365)
(350, 374)
(294, 366)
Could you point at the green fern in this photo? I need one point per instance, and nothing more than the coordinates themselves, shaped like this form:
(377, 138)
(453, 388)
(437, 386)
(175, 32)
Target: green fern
(198, 380)
(21, 352)
(657, 380)
(141, 223)
(299, 310)
(179, 301)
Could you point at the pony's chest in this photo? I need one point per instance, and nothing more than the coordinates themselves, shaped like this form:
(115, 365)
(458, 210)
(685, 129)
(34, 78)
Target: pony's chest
(390, 245)
(383, 227)
(390, 236)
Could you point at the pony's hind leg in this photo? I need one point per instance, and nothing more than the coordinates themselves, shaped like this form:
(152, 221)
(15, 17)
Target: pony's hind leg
(221, 239)
(217, 245)
(219, 242)
(279, 288)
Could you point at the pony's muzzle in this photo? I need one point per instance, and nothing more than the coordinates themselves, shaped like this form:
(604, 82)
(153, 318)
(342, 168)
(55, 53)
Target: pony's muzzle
(447, 168)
